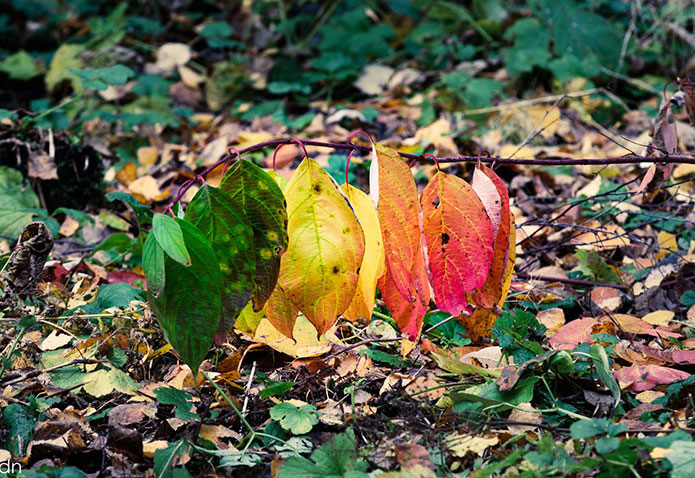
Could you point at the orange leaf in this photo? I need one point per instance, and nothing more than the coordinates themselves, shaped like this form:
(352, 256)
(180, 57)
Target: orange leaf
(491, 291)
(280, 311)
(399, 217)
(459, 239)
(404, 286)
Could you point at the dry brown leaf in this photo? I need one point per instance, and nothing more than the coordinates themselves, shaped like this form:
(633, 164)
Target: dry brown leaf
(527, 414)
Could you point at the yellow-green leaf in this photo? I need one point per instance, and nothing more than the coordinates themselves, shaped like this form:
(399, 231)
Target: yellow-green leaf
(319, 271)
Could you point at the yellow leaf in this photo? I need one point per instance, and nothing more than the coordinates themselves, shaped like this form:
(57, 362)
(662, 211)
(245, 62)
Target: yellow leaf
(461, 445)
(667, 244)
(548, 125)
(248, 320)
(305, 343)
(373, 264)
(319, 271)
(659, 317)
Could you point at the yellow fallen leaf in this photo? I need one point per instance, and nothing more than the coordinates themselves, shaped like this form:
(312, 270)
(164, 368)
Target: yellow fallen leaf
(667, 244)
(659, 317)
(460, 445)
(553, 319)
(147, 156)
(548, 125)
(146, 187)
(506, 151)
(149, 447)
(69, 226)
(306, 345)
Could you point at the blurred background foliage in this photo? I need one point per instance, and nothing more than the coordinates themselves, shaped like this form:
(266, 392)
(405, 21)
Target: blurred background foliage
(282, 57)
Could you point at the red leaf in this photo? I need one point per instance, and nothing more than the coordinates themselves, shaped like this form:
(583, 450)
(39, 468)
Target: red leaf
(488, 295)
(459, 239)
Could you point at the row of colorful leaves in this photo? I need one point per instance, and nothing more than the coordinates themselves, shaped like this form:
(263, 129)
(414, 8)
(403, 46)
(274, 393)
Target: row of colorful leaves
(228, 248)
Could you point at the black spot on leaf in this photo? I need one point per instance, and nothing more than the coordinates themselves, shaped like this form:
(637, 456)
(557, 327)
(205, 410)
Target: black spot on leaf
(445, 238)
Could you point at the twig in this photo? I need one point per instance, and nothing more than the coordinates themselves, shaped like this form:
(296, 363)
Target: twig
(549, 161)
(567, 280)
(358, 344)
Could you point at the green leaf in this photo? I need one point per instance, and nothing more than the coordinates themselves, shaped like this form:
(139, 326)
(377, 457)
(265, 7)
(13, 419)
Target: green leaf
(592, 265)
(170, 238)
(264, 205)
(101, 78)
(166, 459)
(112, 295)
(217, 29)
(182, 400)
(298, 420)
(222, 220)
(606, 445)
(20, 424)
(580, 32)
(603, 369)
(335, 459)
(589, 428)
(682, 458)
(154, 265)
(276, 389)
(18, 203)
(20, 66)
(190, 305)
(688, 298)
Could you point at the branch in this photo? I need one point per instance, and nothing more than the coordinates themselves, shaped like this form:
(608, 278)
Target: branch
(549, 161)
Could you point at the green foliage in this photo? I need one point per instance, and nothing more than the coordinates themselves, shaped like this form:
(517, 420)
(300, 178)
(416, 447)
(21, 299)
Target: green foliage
(258, 197)
(275, 389)
(180, 399)
(223, 222)
(101, 78)
(112, 295)
(18, 202)
(594, 267)
(169, 236)
(165, 459)
(297, 420)
(515, 332)
(189, 305)
(334, 459)
(20, 424)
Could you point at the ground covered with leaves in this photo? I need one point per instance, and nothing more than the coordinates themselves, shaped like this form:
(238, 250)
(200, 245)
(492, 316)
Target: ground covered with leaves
(108, 108)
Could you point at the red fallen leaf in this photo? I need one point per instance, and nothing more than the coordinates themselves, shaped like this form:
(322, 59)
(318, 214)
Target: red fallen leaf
(55, 273)
(684, 356)
(459, 239)
(572, 334)
(489, 294)
(116, 277)
(645, 377)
